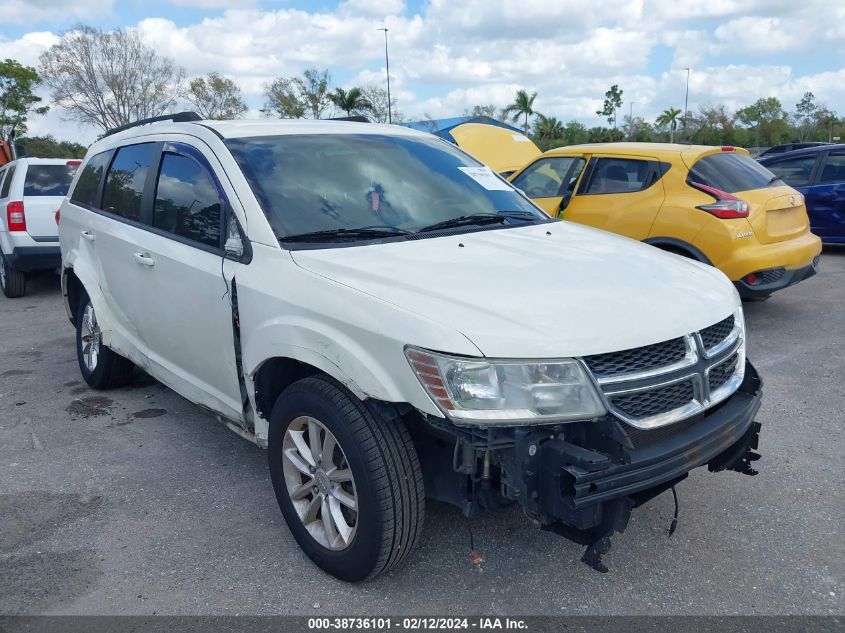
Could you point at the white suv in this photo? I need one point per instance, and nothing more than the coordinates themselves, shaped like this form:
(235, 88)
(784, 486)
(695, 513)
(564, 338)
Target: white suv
(31, 190)
(393, 321)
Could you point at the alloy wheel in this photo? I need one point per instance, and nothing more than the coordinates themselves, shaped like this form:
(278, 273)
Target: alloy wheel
(90, 333)
(320, 483)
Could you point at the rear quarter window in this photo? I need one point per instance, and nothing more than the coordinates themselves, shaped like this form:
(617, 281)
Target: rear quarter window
(7, 182)
(730, 173)
(125, 180)
(85, 191)
(48, 180)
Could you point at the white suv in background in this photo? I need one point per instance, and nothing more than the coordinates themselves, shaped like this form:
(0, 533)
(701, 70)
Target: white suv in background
(31, 190)
(392, 321)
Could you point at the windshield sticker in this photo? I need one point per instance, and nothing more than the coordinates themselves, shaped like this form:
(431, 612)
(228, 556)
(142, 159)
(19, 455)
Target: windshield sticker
(485, 177)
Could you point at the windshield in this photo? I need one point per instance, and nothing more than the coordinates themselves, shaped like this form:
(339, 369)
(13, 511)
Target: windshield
(338, 182)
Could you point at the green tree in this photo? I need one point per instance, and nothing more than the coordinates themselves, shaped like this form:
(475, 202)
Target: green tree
(350, 101)
(109, 78)
(216, 97)
(488, 110)
(522, 106)
(575, 133)
(612, 103)
(827, 124)
(713, 124)
(548, 132)
(804, 115)
(298, 97)
(49, 147)
(376, 96)
(637, 129)
(669, 119)
(17, 100)
(767, 118)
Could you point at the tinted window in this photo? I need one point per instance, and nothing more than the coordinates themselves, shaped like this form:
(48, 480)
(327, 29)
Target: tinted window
(319, 182)
(48, 180)
(125, 180)
(187, 201)
(550, 177)
(618, 175)
(794, 171)
(730, 173)
(4, 191)
(834, 168)
(85, 191)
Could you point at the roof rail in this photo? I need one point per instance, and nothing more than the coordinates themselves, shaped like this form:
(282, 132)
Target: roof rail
(178, 117)
(355, 117)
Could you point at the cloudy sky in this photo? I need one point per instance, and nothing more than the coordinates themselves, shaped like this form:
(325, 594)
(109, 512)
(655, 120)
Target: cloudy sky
(447, 55)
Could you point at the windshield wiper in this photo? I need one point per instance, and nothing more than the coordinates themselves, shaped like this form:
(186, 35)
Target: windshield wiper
(478, 219)
(346, 233)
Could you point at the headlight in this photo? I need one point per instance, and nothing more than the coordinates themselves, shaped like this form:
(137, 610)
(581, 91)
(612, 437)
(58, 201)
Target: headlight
(478, 391)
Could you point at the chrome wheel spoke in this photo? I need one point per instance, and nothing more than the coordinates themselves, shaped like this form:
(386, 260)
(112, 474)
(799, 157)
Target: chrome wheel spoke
(304, 489)
(314, 440)
(298, 438)
(293, 457)
(338, 475)
(328, 522)
(339, 520)
(311, 510)
(344, 497)
(327, 451)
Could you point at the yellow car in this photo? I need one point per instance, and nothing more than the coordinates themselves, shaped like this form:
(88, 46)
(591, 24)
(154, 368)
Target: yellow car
(713, 204)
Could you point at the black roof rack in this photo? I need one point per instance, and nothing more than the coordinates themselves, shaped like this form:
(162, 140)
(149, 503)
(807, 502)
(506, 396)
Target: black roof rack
(178, 117)
(357, 118)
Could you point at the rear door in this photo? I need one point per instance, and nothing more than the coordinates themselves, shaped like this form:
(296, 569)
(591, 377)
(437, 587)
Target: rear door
(44, 187)
(550, 181)
(182, 281)
(826, 197)
(619, 194)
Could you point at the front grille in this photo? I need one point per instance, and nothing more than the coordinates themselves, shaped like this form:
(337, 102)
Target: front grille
(637, 359)
(715, 334)
(770, 276)
(644, 404)
(722, 372)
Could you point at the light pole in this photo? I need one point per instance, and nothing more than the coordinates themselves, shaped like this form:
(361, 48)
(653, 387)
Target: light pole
(387, 65)
(686, 104)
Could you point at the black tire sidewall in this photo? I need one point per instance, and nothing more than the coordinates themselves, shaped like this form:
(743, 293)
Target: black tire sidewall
(357, 560)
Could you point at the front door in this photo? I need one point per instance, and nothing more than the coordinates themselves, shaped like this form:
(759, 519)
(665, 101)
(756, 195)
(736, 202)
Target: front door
(550, 181)
(618, 194)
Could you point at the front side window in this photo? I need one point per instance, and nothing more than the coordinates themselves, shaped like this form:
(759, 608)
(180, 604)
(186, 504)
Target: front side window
(730, 172)
(126, 178)
(7, 183)
(49, 180)
(332, 182)
(550, 177)
(85, 191)
(794, 171)
(618, 175)
(187, 201)
(834, 168)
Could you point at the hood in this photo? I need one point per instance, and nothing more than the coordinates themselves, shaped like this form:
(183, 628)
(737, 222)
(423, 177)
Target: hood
(541, 291)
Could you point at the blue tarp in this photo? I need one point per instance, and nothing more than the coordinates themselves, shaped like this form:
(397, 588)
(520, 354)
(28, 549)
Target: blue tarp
(443, 127)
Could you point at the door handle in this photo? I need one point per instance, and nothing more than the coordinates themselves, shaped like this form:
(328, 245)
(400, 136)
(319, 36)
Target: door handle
(88, 235)
(144, 259)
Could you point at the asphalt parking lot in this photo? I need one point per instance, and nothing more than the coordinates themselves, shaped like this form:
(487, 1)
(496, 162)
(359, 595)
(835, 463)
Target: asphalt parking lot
(135, 501)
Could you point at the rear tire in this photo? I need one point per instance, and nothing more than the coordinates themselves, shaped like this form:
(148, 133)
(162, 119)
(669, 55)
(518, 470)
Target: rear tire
(101, 367)
(12, 281)
(373, 463)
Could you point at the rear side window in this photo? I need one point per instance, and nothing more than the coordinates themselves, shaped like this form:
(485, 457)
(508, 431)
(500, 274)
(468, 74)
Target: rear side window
(619, 175)
(794, 171)
(48, 180)
(126, 178)
(187, 201)
(834, 168)
(4, 191)
(730, 173)
(85, 191)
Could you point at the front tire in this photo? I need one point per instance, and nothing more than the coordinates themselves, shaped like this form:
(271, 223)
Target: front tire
(348, 482)
(12, 281)
(101, 367)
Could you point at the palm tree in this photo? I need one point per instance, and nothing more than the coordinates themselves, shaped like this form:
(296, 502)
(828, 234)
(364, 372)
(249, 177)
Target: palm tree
(523, 105)
(350, 101)
(548, 130)
(669, 118)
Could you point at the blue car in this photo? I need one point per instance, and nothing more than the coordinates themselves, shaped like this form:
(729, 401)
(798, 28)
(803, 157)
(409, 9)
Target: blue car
(819, 174)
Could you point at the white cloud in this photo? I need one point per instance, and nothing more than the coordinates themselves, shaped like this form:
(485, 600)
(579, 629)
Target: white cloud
(757, 35)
